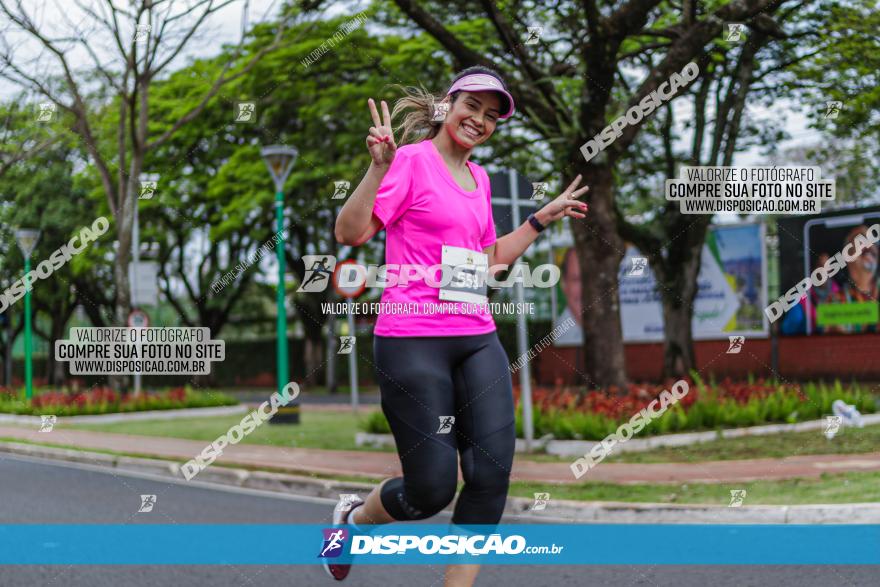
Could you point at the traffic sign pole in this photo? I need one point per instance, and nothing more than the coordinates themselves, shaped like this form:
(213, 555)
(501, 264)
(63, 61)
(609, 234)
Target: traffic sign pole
(352, 360)
(349, 293)
(522, 336)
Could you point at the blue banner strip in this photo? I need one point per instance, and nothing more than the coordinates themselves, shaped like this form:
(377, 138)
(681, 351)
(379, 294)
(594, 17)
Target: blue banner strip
(564, 544)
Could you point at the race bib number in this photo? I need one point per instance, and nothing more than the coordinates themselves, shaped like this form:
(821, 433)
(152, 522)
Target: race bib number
(469, 271)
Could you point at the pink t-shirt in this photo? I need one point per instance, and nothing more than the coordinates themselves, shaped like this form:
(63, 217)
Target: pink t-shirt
(423, 208)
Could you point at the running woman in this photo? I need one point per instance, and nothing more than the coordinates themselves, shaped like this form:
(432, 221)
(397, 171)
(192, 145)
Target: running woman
(444, 380)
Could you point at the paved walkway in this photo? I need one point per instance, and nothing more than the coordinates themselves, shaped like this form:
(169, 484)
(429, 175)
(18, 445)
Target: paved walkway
(379, 465)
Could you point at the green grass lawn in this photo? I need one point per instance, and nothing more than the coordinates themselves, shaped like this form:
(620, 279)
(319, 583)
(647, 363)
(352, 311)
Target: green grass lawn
(336, 430)
(850, 441)
(840, 488)
(317, 429)
(856, 487)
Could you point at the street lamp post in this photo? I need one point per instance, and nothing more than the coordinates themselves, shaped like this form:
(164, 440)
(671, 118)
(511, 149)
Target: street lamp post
(27, 240)
(279, 159)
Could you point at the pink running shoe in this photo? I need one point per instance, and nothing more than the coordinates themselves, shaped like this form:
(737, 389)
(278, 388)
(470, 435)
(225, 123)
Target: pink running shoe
(347, 504)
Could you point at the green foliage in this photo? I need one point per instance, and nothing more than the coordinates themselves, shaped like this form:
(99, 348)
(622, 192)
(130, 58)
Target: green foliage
(707, 413)
(376, 423)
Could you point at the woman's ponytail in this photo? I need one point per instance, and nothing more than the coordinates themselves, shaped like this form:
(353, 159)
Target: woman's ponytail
(418, 106)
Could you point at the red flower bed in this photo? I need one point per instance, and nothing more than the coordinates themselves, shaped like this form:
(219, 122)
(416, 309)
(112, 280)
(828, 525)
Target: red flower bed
(567, 412)
(103, 400)
(638, 396)
(103, 395)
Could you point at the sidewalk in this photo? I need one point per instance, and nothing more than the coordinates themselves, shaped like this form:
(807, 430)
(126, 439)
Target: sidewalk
(380, 465)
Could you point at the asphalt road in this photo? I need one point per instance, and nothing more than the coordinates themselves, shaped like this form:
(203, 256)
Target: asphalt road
(34, 491)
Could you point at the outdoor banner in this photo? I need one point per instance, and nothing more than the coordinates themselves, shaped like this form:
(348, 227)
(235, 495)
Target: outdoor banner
(847, 302)
(730, 300)
(437, 544)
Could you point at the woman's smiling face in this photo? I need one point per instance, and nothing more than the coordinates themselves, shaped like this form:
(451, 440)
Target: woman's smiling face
(472, 118)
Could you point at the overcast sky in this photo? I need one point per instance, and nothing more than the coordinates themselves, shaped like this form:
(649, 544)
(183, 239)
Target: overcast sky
(225, 27)
(54, 16)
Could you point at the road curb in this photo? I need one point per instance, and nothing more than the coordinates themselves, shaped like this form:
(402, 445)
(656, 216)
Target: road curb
(130, 416)
(556, 510)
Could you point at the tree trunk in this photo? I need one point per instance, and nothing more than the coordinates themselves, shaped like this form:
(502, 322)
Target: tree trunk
(55, 372)
(124, 226)
(678, 344)
(312, 321)
(677, 283)
(7, 352)
(600, 250)
(313, 361)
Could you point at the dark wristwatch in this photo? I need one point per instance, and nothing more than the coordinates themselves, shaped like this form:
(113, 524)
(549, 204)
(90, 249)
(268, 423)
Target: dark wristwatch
(534, 222)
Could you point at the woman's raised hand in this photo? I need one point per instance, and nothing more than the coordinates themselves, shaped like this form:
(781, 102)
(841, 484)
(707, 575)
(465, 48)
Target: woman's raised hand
(380, 141)
(565, 204)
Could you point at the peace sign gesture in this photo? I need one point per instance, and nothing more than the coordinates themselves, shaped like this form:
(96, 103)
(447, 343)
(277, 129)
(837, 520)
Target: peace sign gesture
(566, 204)
(380, 142)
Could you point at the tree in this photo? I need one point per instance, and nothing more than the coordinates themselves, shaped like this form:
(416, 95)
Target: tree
(565, 88)
(762, 69)
(844, 70)
(673, 241)
(19, 141)
(319, 109)
(39, 191)
(146, 38)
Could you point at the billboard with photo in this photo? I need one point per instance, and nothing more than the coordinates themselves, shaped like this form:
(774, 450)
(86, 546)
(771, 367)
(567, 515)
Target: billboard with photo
(730, 300)
(848, 302)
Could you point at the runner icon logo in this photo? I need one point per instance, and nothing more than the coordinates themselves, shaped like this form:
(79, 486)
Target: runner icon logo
(340, 189)
(539, 190)
(735, 32)
(334, 542)
(148, 188)
(142, 32)
(534, 33)
(541, 500)
(736, 344)
(832, 426)
(147, 503)
(446, 423)
(319, 268)
(245, 111)
(737, 497)
(639, 264)
(46, 111)
(47, 423)
(832, 108)
(346, 345)
(441, 109)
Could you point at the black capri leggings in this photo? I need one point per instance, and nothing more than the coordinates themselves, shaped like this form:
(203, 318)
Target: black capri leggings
(424, 381)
